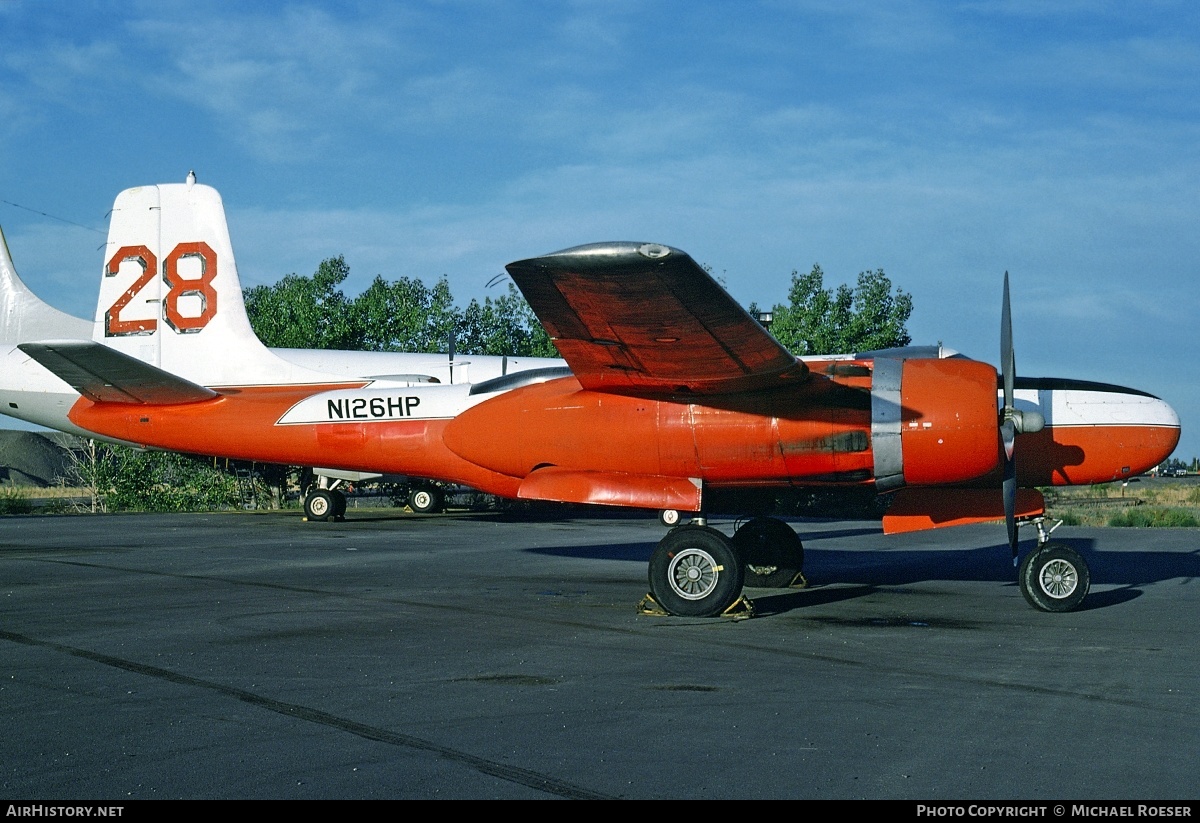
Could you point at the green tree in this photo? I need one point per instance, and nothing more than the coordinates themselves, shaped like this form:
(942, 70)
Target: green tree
(818, 320)
(169, 482)
(503, 325)
(406, 315)
(306, 312)
(119, 478)
(94, 467)
(391, 315)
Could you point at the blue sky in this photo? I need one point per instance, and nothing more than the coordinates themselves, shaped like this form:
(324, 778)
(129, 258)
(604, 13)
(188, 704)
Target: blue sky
(942, 142)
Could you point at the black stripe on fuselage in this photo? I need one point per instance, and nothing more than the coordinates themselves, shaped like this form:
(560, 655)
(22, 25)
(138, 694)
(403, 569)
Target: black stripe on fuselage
(1065, 384)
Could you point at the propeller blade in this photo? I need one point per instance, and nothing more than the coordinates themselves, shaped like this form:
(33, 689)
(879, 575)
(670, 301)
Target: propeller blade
(1010, 506)
(1008, 361)
(1009, 421)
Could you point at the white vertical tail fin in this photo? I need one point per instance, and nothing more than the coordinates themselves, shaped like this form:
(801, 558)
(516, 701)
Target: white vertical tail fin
(24, 316)
(170, 293)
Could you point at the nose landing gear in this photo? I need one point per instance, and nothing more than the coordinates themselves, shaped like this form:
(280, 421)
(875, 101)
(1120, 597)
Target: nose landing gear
(1053, 577)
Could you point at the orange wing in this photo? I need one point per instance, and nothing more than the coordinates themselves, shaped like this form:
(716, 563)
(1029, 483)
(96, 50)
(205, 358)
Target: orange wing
(644, 318)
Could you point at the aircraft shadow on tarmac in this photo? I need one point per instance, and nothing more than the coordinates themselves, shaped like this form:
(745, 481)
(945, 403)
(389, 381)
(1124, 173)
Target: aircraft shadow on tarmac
(858, 573)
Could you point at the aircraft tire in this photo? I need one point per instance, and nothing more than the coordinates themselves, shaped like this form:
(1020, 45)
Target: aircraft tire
(339, 505)
(695, 572)
(1054, 578)
(772, 552)
(425, 500)
(319, 504)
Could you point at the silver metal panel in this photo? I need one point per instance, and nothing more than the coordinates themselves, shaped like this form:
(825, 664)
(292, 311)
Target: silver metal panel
(885, 424)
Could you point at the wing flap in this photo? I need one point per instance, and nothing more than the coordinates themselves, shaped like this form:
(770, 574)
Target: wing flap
(612, 489)
(106, 375)
(645, 317)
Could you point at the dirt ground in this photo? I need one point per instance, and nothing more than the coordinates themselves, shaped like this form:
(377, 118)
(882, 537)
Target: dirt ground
(33, 459)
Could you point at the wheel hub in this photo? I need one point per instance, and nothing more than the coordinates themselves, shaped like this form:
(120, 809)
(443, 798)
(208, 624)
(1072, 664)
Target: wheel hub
(1059, 579)
(693, 574)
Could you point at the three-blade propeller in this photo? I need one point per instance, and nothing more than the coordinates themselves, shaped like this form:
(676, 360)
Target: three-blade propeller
(1013, 421)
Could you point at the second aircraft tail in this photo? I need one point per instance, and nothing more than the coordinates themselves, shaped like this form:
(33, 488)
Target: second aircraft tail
(24, 316)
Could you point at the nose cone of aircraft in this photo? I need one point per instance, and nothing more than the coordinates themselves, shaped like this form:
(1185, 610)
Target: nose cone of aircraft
(1094, 433)
(1139, 431)
(1170, 422)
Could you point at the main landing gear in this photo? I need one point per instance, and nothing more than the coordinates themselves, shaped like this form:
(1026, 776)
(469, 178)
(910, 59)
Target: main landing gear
(324, 499)
(697, 571)
(1053, 577)
(772, 552)
(325, 504)
(426, 499)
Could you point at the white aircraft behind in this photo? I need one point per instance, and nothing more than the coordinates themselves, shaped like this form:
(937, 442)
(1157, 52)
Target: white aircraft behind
(194, 293)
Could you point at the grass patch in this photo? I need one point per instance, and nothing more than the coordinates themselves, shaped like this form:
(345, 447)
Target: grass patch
(1143, 504)
(13, 501)
(1151, 516)
(1070, 517)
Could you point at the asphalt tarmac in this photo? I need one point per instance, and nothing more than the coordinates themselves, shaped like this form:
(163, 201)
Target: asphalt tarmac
(477, 656)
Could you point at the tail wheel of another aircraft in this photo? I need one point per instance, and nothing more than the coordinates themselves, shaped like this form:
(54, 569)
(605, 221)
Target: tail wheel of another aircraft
(319, 504)
(695, 572)
(1054, 578)
(425, 500)
(772, 552)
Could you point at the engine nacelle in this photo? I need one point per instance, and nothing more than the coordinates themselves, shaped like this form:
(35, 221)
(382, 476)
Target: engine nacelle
(933, 421)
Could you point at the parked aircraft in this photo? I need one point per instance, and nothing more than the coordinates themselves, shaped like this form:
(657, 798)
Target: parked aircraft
(676, 397)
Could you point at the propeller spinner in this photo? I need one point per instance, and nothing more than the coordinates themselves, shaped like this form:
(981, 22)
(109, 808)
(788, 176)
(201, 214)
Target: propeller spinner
(1013, 421)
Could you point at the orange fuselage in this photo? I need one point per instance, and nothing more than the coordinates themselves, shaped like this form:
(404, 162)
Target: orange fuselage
(830, 429)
